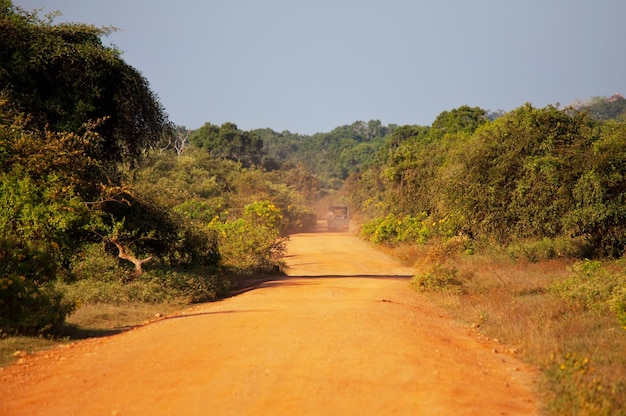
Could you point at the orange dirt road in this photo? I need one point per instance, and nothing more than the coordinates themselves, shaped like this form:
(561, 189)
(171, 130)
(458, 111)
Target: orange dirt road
(343, 334)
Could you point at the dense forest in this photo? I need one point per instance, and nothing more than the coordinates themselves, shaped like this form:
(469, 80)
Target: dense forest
(102, 198)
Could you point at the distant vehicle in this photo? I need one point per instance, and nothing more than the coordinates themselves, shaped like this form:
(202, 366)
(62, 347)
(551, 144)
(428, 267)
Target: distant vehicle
(338, 218)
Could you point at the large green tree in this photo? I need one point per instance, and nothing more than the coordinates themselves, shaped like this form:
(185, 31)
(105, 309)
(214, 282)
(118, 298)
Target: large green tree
(515, 176)
(228, 142)
(63, 76)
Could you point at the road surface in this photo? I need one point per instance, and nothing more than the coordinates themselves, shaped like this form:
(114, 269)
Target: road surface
(343, 334)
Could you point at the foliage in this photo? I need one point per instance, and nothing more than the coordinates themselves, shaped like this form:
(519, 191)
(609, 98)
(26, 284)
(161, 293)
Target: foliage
(154, 286)
(464, 119)
(518, 173)
(393, 230)
(29, 304)
(333, 155)
(253, 242)
(595, 288)
(543, 175)
(100, 278)
(437, 271)
(437, 277)
(576, 389)
(63, 76)
(228, 142)
(603, 108)
(599, 194)
(48, 212)
(298, 219)
(536, 250)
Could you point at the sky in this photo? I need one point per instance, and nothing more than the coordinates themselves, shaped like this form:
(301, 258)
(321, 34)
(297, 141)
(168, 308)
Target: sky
(309, 66)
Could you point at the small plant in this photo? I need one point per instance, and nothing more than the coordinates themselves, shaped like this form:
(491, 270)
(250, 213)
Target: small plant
(438, 277)
(576, 390)
(617, 304)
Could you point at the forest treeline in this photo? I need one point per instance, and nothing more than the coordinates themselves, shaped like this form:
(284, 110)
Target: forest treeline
(104, 199)
(534, 174)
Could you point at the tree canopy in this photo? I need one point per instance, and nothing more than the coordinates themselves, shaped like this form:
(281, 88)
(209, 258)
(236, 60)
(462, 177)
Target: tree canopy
(63, 76)
(532, 173)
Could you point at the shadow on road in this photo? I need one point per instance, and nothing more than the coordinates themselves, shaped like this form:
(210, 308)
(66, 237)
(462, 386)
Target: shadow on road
(276, 281)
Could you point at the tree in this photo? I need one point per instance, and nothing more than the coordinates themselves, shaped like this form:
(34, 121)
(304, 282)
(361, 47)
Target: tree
(64, 77)
(514, 177)
(464, 119)
(228, 142)
(599, 195)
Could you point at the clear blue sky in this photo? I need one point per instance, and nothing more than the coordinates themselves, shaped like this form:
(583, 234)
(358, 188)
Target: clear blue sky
(312, 65)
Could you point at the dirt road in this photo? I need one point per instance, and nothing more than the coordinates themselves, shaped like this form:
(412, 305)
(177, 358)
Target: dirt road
(342, 335)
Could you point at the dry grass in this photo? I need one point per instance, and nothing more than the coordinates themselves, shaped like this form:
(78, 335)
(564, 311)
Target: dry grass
(580, 352)
(89, 321)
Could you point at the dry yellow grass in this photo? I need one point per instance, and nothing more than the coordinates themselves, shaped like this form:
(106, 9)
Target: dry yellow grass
(580, 352)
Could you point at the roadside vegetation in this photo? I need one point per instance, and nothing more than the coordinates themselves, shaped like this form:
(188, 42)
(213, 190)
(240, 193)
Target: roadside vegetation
(111, 215)
(561, 315)
(106, 205)
(516, 225)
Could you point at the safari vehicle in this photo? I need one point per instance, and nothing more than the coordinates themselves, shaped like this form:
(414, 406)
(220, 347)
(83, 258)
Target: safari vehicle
(338, 218)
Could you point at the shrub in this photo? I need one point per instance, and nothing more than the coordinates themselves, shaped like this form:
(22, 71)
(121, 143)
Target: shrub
(99, 278)
(252, 243)
(93, 262)
(438, 277)
(155, 286)
(438, 274)
(43, 209)
(547, 248)
(298, 219)
(575, 389)
(594, 288)
(29, 304)
(393, 230)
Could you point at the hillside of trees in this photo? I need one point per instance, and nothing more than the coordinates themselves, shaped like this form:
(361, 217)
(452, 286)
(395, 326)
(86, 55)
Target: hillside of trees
(331, 156)
(604, 108)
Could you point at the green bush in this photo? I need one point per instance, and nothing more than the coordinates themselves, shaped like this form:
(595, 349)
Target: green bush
(43, 209)
(29, 304)
(577, 391)
(298, 219)
(98, 277)
(95, 263)
(595, 288)
(199, 284)
(196, 245)
(438, 277)
(547, 248)
(251, 243)
(393, 230)
(155, 286)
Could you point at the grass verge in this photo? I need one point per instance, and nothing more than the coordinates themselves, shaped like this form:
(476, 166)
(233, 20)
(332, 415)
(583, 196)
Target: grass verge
(573, 336)
(89, 321)
(108, 310)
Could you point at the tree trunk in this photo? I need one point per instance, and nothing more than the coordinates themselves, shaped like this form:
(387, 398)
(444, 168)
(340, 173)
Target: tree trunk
(123, 254)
